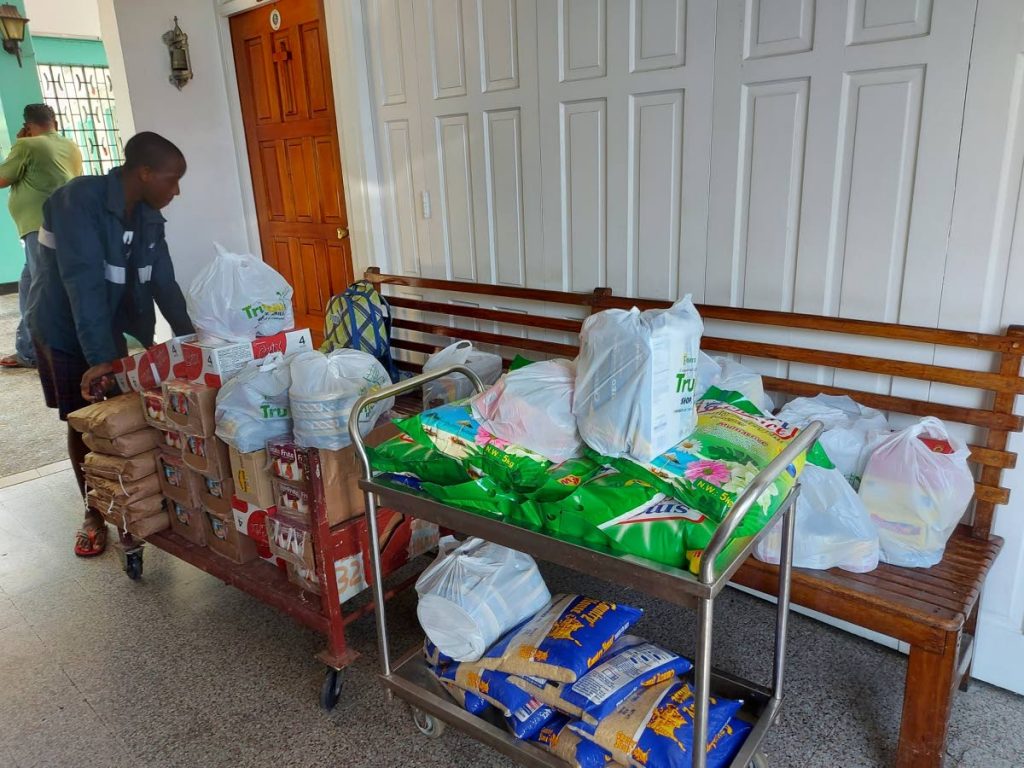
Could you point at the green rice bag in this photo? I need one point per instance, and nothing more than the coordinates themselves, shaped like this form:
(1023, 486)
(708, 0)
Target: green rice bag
(519, 362)
(564, 478)
(710, 469)
(404, 455)
(481, 495)
(454, 432)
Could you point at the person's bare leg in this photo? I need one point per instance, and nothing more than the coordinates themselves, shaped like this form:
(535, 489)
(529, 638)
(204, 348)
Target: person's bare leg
(76, 452)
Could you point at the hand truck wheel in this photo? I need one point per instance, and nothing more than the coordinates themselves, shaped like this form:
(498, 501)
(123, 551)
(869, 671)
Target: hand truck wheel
(759, 761)
(330, 691)
(427, 724)
(133, 564)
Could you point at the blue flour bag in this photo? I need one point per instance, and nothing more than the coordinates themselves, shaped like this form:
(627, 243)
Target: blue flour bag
(654, 726)
(727, 742)
(436, 661)
(524, 714)
(564, 640)
(631, 663)
(559, 740)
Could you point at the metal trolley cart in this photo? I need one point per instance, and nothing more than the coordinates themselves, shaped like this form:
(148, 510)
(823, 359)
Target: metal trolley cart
(269, 584)
(409, 679)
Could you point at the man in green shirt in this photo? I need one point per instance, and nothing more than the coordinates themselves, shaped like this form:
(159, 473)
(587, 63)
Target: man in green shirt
(40, 161)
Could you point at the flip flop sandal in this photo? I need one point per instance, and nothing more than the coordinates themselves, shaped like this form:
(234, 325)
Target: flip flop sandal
(90, 542)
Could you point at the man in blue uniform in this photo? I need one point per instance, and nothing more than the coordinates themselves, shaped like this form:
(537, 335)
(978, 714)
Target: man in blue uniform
(103, 262)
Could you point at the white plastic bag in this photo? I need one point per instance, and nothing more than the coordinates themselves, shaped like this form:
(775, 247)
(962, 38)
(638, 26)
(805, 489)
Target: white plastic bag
(851, 429)
(449, 389)
(324, 389)
(237, 298)
(833, 529)
(636, 379)
(916, 495)
(252, 407)
(709, 373)
(532, 407)
(736, 377)
(474, 593)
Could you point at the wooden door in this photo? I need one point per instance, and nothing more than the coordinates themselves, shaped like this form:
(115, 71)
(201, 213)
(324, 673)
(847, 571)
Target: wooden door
(284, 83)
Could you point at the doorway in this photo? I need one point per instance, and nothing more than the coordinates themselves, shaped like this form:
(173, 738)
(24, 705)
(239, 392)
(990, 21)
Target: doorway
(288, 111)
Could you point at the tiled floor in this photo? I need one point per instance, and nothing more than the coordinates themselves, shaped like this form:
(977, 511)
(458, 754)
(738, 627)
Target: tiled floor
(180, 670)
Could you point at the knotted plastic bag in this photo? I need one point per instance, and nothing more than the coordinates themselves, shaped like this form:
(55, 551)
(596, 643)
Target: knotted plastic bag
(236, 298)
(252, 407)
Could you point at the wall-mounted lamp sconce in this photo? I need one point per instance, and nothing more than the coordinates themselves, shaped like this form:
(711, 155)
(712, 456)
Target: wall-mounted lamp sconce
(12, 29)
(181, 64)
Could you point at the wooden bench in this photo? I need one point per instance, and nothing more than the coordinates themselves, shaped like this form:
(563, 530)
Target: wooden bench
(934, 610)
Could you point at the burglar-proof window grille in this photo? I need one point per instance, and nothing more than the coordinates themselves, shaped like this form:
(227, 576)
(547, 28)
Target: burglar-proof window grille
(83, 99)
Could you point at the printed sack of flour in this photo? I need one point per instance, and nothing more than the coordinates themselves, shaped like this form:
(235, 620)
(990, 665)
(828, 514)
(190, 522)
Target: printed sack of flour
(236, 298)
(558, 739)
(833, 529)
(851, 430)
(532, 407)
(524, 714)
(916, 487)
(324, 389)
(632, 663)
(568, 637)
(253, 406)
(453, 431)
(636, 379)
(474, 593)
(710, 469)
(449, 389)
(654, 726)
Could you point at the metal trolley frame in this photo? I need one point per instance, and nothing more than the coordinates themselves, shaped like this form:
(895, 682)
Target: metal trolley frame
(409, 679)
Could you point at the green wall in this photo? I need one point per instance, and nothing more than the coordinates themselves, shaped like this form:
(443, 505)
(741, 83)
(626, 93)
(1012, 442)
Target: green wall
(18, 87)
(63, 50)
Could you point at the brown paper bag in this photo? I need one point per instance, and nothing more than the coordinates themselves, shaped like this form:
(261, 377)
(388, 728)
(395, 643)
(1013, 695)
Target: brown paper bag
(110, 418)
(125, 469)
(124, 493)
(130, 444)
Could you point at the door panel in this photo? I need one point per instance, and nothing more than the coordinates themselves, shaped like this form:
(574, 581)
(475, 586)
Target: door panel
(288, 112)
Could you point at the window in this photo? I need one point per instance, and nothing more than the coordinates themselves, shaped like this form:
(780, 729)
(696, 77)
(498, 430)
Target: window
(84, 102)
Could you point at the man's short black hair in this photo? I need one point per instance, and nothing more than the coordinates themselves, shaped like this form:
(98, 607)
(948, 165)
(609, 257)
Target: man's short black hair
(150, 150)
(39, 114)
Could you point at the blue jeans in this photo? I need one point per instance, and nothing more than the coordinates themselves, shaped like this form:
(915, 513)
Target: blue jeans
(22, 338)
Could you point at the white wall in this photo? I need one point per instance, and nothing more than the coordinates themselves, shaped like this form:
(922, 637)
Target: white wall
(63, 18)
(197, 119)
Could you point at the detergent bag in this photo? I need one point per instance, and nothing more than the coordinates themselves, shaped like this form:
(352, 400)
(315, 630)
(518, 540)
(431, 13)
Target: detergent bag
(636, 379)
(474, 593)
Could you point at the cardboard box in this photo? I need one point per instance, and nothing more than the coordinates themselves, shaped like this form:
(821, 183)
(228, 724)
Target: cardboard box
(173, 441)
(216, 494)
(401, 538)
(178, 483)
(251, 477)
(153, 408)
(190, 408)
(349, 567)
(207, 455)
(252, 522)
(293, 500)
(340, 472)
(150, 368)
(224, 538)
(291, 540)
(300, 577)
(213, 365)
(189, 523)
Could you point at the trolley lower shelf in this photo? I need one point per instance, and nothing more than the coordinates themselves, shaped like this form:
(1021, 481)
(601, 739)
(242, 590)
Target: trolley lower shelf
(412, 681)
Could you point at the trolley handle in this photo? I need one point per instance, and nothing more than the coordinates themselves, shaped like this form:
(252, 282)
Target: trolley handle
(802, 442)
(393, 391)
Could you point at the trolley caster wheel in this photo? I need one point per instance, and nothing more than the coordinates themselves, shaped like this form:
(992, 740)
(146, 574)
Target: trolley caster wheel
(133, 565)
(330, 691)
(428, 725)
(759, 761)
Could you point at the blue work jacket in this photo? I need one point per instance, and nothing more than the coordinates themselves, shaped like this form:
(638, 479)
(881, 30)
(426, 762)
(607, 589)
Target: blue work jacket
(98, 276)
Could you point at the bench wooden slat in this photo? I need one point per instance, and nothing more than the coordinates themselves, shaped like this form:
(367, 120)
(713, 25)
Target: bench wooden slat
(977, 417)
(994, 382)
(516, 342)
(990, 457)
(994, 494)
(487, 289)
(493, 315)
(943, 337)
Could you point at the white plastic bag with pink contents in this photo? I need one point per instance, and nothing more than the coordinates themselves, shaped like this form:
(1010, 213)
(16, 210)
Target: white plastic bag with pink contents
(532, 407)
(917, 492)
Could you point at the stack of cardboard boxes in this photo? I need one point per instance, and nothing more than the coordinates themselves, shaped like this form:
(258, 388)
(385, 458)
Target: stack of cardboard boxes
(120, 469)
